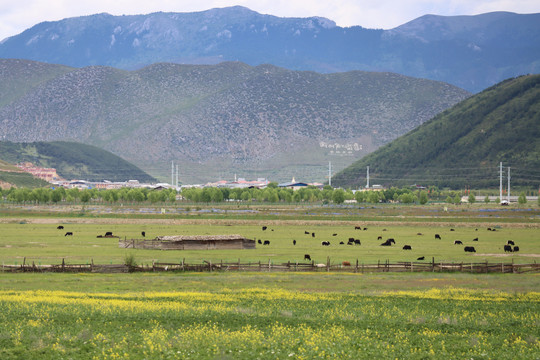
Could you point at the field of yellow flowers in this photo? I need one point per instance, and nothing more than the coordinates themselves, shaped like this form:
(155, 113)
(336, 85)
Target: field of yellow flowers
(261, 323)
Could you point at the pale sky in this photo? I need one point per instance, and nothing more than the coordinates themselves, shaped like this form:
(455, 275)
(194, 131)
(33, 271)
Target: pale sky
(19, 15)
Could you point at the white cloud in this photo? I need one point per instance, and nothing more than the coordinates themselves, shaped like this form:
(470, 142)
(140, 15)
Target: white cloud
(17, 16)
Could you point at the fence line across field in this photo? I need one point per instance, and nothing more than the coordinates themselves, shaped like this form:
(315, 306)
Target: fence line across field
(386, 266)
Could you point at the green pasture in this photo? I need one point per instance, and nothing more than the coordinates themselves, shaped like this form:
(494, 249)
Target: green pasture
(44, 244)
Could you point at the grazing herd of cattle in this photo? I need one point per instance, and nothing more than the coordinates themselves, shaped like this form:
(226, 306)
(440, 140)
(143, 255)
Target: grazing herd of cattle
(509, 247)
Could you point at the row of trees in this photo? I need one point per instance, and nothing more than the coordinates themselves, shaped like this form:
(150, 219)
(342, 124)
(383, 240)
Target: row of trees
(271, 194)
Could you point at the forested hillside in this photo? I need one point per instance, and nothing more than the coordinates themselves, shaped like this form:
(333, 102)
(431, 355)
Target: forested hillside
(464, 145)
(73, 160)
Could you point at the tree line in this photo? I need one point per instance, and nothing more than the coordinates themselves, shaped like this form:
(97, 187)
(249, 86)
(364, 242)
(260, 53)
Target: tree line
(271, 194)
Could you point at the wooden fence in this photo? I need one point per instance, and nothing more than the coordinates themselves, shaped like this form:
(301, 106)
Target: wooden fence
(482, 267)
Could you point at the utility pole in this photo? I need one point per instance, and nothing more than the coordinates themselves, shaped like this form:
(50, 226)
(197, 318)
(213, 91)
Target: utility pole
(172, 173)
(367, 185)
(177, 176)
(509, 185)
(330, 173)
(500, 181)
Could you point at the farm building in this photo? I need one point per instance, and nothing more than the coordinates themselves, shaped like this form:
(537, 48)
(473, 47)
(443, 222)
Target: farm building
(184, 242)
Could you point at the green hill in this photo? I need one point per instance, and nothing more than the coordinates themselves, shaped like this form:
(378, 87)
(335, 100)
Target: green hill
(464, 144)
(74, 160)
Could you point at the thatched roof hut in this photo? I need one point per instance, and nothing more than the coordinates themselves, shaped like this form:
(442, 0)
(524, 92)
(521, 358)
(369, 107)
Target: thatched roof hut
(190, 242)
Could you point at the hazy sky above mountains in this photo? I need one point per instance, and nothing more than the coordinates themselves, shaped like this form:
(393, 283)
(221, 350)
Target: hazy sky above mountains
(17, 16)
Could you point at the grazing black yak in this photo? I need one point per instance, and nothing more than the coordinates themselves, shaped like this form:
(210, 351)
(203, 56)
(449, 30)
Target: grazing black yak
(307, 257)
(407, 247)
(507, 248)
(469, 249)
(266, 242)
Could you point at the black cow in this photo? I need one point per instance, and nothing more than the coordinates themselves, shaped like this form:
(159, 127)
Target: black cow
(419, 234)
(475, 239)
(307, 257)
(379, 237)
(510, 242)
(266, 242)
(437, 236)
(388, 242)
(458, 242)
(294, 242)
(325, 243)
(350, 243)
(259, 241)
(108, 233)
(493, 229)
(341, 243)
(469, 249)
(334, 234)
(516, 248)
(365, 229)
(69, 233)
(351, 239)
(407, 247)
(60, 227)
(357, 228)
(421, 258)
(507, 248)
(143, 233)
(452, 230)
(264, 228)
(357, 242)
(306, 232)
(488, 229)
(312, 234)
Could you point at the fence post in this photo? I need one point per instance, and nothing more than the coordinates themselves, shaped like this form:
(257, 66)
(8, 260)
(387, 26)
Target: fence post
(269, 265)
(23, 264)
(63, 265)
(487, 267)
(433, 264)
(356, 267)
(327, 263)
(153, 265)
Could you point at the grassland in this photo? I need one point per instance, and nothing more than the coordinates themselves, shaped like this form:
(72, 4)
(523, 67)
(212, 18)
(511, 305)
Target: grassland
(269, 315)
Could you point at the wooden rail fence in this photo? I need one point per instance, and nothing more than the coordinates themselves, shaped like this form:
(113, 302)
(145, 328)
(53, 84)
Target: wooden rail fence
(387, 266)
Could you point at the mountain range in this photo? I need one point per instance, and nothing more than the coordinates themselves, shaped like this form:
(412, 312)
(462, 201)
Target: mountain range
(464, 145)
(217, 120)
(471, 52)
